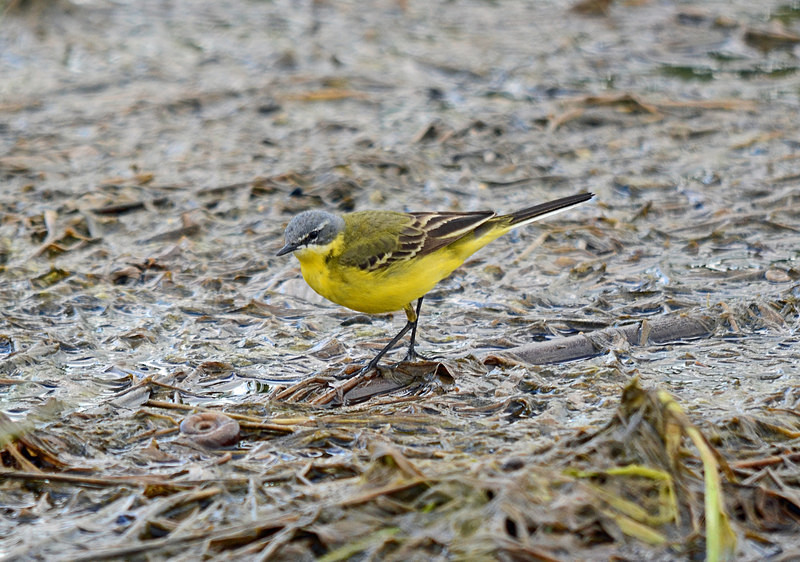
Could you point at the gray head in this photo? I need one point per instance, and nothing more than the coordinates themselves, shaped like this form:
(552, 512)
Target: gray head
(311, 228)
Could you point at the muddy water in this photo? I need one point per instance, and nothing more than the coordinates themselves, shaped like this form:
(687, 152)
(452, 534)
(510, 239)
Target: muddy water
(151, 155)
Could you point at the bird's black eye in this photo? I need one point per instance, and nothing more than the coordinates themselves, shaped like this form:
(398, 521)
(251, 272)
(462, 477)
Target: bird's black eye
(312, 235)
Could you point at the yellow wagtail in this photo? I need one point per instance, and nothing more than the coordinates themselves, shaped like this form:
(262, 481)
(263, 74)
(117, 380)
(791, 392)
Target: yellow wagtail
(381, 261)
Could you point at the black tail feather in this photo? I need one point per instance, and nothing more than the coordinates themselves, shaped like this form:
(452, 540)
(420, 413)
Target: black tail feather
(551, 207)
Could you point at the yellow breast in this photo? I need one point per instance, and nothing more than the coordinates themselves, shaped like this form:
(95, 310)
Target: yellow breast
(373, 292)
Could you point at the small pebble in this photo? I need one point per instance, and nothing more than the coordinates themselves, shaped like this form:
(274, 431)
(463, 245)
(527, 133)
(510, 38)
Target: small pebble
(211, 429)
(777, 276)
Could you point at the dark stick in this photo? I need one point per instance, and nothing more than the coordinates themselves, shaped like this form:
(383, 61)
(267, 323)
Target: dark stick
(657, 331)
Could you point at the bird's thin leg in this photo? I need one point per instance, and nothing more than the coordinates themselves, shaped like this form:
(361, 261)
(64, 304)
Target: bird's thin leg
(411, 324)
(372, 364)
(412, 354)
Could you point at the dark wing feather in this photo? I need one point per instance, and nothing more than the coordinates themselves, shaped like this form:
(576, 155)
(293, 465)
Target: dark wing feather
(440, 229)
(377, 239)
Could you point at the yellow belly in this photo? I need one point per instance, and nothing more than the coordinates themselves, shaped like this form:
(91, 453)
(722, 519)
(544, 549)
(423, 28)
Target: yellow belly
(380, 291)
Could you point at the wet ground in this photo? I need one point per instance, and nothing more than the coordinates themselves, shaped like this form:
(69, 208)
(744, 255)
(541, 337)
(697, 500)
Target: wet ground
(151, 155)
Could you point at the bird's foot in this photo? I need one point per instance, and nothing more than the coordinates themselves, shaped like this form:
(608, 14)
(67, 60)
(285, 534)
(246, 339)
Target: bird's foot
(347, 373)
(413, 356)
(368, 367)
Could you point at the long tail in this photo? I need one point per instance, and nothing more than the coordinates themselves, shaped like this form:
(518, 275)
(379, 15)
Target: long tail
(495, 227)
(544, 210)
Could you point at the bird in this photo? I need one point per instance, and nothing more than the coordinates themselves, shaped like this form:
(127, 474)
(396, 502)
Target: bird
(382, 261)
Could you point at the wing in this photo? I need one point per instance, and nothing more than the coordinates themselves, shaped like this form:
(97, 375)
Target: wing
(378, 239)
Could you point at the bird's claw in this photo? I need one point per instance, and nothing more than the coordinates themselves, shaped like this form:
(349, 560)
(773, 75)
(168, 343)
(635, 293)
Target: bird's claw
(413, 356)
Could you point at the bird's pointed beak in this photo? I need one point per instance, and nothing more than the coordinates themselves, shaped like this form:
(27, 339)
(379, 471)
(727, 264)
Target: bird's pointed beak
(289, 247)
